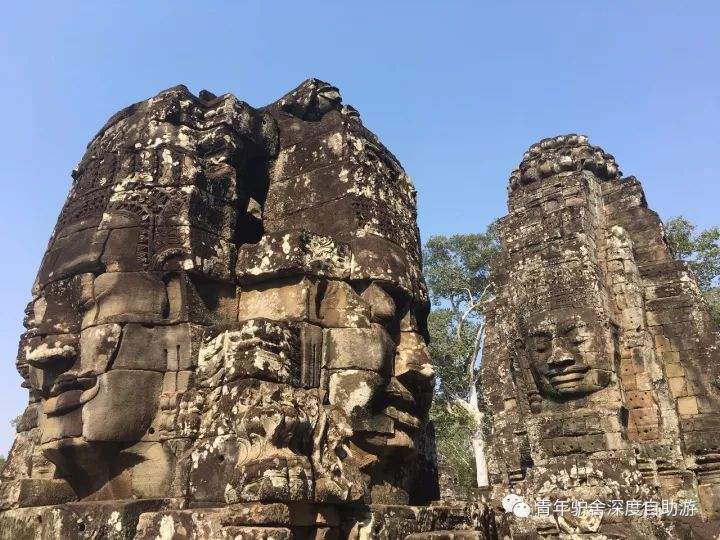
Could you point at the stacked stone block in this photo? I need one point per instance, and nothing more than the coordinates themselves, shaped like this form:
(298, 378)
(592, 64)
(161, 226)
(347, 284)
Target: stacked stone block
(601, 356)
(227, 336)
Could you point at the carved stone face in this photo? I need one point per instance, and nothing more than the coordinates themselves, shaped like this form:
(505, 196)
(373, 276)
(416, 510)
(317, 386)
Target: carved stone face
(52, 347)
(569, 353)
(139, 263)
(204, 323)
(117, 360)
(386, 399)
(346, 348)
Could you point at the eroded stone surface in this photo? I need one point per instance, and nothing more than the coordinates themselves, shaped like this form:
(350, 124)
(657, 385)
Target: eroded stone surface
(601, 360)
(227, 334)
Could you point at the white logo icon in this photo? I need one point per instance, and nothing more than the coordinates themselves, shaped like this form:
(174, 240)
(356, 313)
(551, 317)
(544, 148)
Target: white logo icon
(512, 502)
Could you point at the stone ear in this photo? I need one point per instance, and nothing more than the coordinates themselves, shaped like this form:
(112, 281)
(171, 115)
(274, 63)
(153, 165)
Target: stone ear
(526, 378)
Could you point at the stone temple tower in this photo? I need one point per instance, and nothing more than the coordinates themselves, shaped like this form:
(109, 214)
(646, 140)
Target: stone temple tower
(227, 336)
(227, 339)
(601, 360)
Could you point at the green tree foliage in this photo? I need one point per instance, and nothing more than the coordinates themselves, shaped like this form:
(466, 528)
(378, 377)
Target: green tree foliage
(453, 429)
(702, 252)
(457, 272)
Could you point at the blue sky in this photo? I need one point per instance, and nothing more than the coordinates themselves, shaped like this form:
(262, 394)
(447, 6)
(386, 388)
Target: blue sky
(457, 90)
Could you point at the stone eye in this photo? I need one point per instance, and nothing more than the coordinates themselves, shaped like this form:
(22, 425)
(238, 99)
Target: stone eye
(541, 344)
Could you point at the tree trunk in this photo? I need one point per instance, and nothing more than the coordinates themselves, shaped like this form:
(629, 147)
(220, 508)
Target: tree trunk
(478, 446)
(477, 439)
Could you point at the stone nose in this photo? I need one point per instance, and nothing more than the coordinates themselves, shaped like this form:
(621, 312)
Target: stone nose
(44, 378)
(560, 359)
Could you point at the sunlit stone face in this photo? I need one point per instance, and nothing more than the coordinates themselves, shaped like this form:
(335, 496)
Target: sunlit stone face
(84, 375)
(52, 349)
(140, 263)
(352, 376)
(364, 279)
(570, 353)
(387, 408)
(205, 323)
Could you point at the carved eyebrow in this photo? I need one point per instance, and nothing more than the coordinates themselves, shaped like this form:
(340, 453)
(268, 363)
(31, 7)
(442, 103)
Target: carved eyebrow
(572, 324)
(540, 333)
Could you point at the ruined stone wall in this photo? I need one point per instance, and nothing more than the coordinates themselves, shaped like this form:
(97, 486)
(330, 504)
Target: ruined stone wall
(601, 358)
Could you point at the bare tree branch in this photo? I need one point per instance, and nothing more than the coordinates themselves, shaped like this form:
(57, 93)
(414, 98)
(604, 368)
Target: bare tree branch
(477, 352)
(469, 310)
(471, 300)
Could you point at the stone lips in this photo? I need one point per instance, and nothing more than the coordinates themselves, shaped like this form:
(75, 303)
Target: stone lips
(228, 327)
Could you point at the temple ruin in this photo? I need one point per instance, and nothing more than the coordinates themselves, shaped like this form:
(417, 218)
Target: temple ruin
(227, 339)
(601, 363)
(227, 336)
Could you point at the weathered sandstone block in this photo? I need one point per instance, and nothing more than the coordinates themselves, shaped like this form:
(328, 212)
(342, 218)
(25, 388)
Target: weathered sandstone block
(600, 357)
(212, 345)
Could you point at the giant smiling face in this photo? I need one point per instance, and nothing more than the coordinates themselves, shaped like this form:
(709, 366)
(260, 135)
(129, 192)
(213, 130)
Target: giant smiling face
(571, 353)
